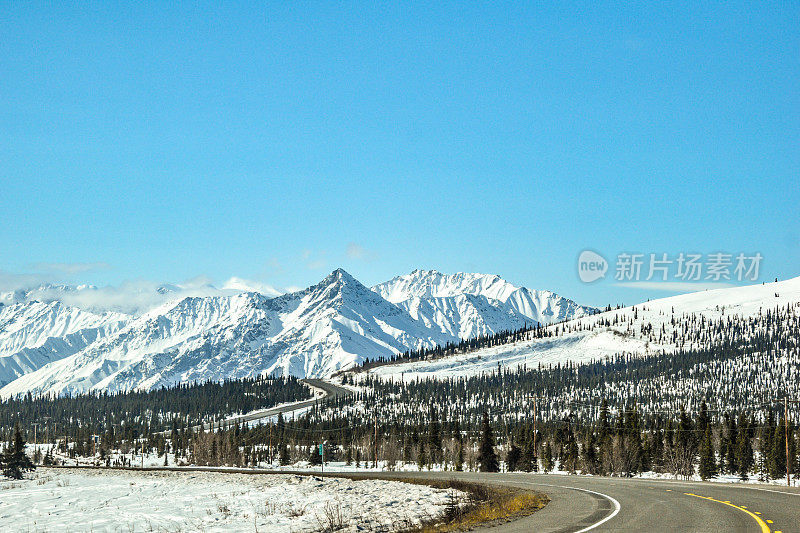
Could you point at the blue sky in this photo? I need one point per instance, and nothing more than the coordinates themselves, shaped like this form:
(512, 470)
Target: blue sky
(278, 142)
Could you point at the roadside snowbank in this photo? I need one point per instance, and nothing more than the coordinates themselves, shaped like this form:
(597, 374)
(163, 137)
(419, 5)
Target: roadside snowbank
(104, 500)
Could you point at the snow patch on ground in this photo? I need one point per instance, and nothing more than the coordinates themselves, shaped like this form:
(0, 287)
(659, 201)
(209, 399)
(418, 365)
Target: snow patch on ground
(104, 500)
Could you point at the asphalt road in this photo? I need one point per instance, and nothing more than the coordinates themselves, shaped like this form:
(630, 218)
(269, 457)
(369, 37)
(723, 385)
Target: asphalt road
(579, 503)
(324, 390)
(328, 390)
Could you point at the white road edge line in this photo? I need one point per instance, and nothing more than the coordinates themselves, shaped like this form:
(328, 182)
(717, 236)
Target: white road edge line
(617, 506)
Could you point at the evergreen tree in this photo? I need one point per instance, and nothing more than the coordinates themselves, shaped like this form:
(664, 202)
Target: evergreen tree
(422, 458)
(777, 459)
(708, 461)
(732, 437)
(434, 438)
(459, 455)
(765, 448)
(513, 458)
(487, 457)
(314, 457)
(15, 461)
(744, 450)
(606, 442)
(283, 454)
(547, 458)
(528, 459)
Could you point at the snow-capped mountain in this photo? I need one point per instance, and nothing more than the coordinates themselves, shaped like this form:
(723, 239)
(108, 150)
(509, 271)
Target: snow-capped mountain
(468, 305)
(314, 332)
(333, 325)
(33, 334)
(648, 328)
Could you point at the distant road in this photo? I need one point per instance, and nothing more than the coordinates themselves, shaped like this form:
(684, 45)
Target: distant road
(324, 390)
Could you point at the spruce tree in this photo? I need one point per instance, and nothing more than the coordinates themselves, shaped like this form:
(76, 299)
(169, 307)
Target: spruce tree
(744, 450)
(283, 454)
(708, 462)
(777, 459)
(731, 460)
(314, 457)
(15, 461)
(547, 458)
(513, 458)
(434, 438)
(422, 458)
(527, 461)
(487, 457)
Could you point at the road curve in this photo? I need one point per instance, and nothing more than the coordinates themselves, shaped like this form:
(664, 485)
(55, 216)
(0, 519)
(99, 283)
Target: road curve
(325, 390)
(583, 503)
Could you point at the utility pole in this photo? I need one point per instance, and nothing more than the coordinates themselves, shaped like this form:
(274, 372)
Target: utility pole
(786, 422)
(376, 436)
(534, 425)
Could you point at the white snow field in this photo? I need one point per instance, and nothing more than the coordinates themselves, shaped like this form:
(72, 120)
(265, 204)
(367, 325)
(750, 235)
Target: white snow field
(103, 500)
(605, 334)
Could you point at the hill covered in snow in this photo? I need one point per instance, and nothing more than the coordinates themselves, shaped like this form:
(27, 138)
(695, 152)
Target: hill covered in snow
(664, 325)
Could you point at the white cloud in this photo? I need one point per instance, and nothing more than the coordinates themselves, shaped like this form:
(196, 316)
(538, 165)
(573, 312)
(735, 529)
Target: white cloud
(356, 251)
(129, 297)
(247, 285)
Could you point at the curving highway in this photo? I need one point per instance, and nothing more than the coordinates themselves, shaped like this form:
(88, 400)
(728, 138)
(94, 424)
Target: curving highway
(583, 503)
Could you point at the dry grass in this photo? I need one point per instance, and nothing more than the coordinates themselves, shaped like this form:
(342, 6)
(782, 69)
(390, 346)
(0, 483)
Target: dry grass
(486, 504)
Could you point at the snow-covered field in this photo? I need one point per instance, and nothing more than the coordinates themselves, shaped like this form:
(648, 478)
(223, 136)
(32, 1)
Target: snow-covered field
(591, 339)
(104, 500)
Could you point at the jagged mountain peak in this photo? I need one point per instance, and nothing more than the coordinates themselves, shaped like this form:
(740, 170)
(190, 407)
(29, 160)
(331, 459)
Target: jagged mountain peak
(521, 303)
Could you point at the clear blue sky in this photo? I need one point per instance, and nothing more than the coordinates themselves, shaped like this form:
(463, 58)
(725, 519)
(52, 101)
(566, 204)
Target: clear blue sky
(267, 142)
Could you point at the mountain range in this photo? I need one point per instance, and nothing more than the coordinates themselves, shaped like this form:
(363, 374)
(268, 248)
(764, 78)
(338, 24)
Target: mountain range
(53, 348)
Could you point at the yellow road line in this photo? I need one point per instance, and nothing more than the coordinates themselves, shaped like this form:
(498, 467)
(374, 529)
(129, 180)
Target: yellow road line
(764, 526)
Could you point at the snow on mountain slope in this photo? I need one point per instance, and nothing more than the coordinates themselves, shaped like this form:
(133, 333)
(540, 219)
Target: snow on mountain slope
(613, 332)
(315, 332)
(433, 292)
(464, 316)
(32, 334)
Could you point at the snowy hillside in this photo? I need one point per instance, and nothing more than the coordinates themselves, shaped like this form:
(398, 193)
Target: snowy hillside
(641, 329)
(314, 332)
(33, 334)
(452, 301)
